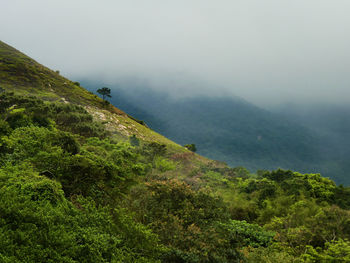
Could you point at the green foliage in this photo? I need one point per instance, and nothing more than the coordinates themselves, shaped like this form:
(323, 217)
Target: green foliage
(75, 119)
(64, 180)
(334, 251)
(309, 224)
(313, 185)
(44, 166)
(162, 164)
(246, 234)
(241, 171)
(268, 255)
(134, 141)
(5, 128)
(192, 147)
(37, 224)
(21, 111)
(300, 208)
(152, 150)
(105, 92)
(186, 222)
(94, 169)
(155, 149)
(342, 197)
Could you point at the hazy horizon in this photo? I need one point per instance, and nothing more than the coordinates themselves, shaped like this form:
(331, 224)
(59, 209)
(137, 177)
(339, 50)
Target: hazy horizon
(267, 52)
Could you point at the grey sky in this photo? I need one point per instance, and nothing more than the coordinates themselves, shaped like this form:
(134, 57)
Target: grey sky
(262, 50)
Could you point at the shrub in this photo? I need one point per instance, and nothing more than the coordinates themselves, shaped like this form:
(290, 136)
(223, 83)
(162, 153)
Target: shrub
(37, 224)
(134, 141)
(191, 147)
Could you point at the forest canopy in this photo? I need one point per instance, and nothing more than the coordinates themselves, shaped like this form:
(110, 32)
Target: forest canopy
(71, 191)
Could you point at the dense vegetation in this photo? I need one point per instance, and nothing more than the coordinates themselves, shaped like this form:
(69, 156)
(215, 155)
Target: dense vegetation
(78, 185)
(72, 192)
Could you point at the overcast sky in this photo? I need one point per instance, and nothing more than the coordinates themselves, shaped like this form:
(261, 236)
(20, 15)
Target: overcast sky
(262, 50)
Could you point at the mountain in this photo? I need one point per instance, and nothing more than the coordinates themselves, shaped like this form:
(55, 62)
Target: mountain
(25, 76)
(232, 130)
(331, 123)
(303, 137)
(82, 181)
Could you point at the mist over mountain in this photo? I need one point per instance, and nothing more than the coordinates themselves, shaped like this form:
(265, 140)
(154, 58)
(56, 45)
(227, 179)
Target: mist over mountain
(267, 52)
(331, 123)
(230, 129)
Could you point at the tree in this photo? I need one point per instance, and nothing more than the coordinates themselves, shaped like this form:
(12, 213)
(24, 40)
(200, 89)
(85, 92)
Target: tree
(192, 147)
(105, 92)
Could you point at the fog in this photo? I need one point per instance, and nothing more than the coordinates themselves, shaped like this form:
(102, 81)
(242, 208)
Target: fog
(267, 51)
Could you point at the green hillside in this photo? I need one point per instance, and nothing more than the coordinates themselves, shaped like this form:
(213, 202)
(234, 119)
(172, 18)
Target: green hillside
(81, 181)
(25, 76)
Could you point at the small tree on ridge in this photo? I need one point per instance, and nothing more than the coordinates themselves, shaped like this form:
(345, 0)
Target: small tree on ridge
(105, 92)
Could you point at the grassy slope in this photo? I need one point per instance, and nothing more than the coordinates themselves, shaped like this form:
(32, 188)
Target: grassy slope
(25, 76)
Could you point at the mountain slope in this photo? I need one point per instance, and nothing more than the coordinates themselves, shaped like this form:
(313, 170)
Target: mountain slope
(25, 76)
(226, 129)
(75, 188)
(331, 123)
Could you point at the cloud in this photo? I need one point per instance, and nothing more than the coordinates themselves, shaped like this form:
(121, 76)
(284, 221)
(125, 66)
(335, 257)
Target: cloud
(265, 51)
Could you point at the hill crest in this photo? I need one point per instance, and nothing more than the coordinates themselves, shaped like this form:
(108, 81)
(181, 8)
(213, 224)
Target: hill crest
(25, 76)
